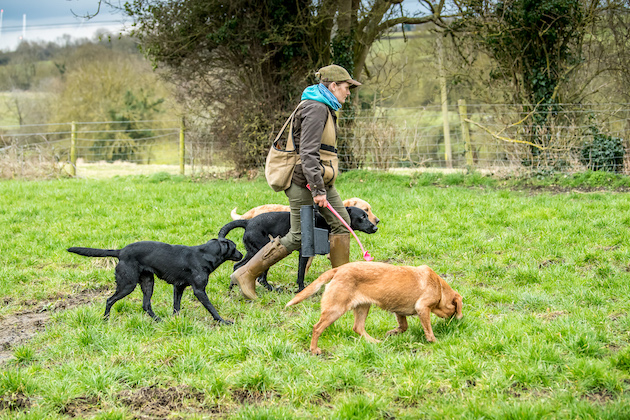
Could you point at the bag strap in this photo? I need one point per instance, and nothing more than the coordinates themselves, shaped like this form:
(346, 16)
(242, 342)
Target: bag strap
(290, 119)
(329, 148)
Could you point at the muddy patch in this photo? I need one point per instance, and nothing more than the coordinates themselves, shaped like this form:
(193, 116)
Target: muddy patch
(14, 401)
(557, 189)
(147, 403)
(81, 406)
(158, 403)
(20, 327)
(600, 397)
(245, 396)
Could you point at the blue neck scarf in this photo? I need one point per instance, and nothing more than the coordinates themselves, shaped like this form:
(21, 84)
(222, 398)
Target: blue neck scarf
(320, 93)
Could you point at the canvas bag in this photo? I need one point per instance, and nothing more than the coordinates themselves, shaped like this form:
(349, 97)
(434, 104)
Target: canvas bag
(281, 162)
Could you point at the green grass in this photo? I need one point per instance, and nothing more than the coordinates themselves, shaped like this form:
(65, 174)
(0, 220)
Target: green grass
(545, 278)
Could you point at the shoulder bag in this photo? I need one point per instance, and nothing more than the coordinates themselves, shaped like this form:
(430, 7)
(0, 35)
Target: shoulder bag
(281, 161)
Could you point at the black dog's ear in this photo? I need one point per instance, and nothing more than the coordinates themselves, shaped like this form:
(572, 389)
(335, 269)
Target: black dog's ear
(357, 211)
(215, 244)
(224, 244)
(354, 212)
(227, 245)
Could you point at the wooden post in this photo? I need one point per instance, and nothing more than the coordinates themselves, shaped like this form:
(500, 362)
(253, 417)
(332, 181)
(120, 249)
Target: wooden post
(73, 149)
(182, 147)
(463, 115)
(448, 154)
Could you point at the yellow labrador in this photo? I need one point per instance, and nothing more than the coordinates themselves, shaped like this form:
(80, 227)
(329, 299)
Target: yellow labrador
(266, 208)
(403, 290)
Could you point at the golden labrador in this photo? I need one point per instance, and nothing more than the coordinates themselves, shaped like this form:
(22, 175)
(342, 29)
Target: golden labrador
(266, 208)
(403, 290)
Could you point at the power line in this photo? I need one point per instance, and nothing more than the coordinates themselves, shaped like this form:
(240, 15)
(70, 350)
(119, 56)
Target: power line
(18, 28)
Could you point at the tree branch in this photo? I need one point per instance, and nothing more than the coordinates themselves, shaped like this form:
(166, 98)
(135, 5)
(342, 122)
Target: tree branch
(88, 15)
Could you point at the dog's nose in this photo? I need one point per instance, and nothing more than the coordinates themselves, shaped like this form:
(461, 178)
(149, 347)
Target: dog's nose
(377, 220)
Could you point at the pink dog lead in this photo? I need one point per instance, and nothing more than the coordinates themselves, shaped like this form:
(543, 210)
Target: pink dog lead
(366, 255)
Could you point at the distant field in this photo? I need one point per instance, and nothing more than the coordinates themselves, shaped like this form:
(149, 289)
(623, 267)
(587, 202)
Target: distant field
(27, 102)
(7, 112)
(103, 170)
(100, 170)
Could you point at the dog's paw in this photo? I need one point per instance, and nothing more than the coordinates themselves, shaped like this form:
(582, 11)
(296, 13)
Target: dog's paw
(395, 331)
(316, 352)
(225, 322)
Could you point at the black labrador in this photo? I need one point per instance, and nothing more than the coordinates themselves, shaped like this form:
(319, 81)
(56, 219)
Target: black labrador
(259, 229)
(179, 265)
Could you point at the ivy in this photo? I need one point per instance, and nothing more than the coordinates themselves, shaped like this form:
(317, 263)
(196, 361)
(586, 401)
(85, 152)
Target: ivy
(603, 153)
(342, 47)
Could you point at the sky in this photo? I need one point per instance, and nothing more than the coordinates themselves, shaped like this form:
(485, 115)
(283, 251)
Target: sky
(49, 20)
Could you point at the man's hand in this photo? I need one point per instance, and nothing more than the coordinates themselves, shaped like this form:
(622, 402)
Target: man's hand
(320, 200)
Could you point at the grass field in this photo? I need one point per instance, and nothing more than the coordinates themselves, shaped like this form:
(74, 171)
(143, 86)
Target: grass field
(545, 278)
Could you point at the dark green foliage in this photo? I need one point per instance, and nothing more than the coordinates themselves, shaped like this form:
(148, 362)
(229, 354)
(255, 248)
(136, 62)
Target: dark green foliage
(539, 35)
(125, 140)
(543, 33)
(251, 145)
(246, 62)
(603, 153)
(533, 43)
(342, 47)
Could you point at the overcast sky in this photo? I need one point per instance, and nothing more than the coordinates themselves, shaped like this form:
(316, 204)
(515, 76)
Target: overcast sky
(48, 20)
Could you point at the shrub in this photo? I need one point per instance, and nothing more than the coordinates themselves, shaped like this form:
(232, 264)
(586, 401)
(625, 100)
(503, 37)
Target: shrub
(604, 153)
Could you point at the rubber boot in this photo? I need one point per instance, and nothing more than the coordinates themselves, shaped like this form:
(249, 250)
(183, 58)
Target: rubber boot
(339, 249)
(245, 277)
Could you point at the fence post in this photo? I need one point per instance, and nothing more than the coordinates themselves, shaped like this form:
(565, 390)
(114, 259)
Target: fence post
(463, 115)
(448, 154)
(182, 147)
(73, 149)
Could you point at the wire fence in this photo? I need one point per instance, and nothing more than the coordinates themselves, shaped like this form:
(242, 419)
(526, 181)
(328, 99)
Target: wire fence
(503, 138)
(101, 149)
(507, 139)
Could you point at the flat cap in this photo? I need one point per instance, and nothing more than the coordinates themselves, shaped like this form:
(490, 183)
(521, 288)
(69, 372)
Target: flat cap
(335, 73)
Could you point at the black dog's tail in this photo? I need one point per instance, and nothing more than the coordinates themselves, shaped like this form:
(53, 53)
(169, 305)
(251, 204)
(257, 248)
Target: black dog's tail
(240, 223)
(95, 252)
